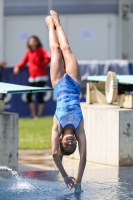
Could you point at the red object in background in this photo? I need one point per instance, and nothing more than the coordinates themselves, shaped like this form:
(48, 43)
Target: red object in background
(37, 62)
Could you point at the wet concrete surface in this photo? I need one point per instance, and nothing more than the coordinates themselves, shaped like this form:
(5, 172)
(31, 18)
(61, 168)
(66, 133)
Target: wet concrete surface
(42, 160)
(35, 160)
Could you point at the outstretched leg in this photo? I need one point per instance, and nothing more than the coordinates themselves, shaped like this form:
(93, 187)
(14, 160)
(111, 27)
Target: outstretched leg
(71, 65)
(57, 68)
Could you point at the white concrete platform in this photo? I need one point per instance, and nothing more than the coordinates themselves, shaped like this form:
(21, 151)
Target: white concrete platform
(109, 132)
(9, 140)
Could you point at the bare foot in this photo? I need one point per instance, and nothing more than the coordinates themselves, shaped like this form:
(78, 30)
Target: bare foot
(55, 16)
(49, 21)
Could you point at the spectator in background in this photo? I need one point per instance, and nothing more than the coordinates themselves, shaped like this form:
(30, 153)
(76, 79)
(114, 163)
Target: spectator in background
(37, 58)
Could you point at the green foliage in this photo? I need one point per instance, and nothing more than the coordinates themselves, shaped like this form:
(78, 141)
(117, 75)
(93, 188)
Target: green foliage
(35, 134)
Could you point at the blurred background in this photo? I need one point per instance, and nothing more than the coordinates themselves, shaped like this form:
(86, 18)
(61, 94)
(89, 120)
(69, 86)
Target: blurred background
(98, 30)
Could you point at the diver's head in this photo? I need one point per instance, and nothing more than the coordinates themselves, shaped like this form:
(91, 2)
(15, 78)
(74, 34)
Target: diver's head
(68, 142)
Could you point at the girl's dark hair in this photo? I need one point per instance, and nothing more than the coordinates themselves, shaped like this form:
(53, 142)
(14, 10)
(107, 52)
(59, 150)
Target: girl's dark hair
(62, 152)
(37, 39)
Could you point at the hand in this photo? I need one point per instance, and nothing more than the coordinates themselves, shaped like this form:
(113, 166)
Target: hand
(77, 187)
(16, 70)
(70, 181)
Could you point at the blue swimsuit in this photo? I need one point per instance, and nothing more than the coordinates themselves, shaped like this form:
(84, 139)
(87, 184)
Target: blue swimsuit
(68, 110)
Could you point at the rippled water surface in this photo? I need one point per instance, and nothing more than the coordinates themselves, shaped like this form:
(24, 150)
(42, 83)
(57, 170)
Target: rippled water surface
(98, 184)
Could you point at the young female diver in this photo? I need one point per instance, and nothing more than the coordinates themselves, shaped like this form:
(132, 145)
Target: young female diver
(68, 120)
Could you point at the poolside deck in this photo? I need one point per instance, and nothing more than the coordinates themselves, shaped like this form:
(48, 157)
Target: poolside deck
(42, 160)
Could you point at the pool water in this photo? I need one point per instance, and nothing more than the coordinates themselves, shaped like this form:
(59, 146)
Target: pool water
(97, 184)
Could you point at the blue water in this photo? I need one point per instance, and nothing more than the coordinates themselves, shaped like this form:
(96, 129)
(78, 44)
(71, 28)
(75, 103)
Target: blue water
(98, 184)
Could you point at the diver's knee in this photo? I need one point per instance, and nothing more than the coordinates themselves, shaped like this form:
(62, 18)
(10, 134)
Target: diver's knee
(66, 48)
(55, 48)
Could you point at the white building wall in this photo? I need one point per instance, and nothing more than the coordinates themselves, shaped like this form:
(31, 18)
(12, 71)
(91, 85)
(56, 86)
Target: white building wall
(93, 36)
(90, 36)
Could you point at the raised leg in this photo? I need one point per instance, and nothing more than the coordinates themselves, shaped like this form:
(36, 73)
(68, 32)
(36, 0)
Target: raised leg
(57, 68)
(71, 65)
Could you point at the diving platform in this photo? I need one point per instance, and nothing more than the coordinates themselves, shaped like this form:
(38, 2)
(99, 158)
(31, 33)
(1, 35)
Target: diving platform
(7, 88)
(110, 89)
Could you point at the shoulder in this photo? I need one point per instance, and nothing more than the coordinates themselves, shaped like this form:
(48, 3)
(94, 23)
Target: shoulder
(28, 52)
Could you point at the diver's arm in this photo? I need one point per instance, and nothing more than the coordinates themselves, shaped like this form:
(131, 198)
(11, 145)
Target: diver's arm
(82, 152)
(82, 163)
(69, 180)
(55, 148)
(80, 135)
